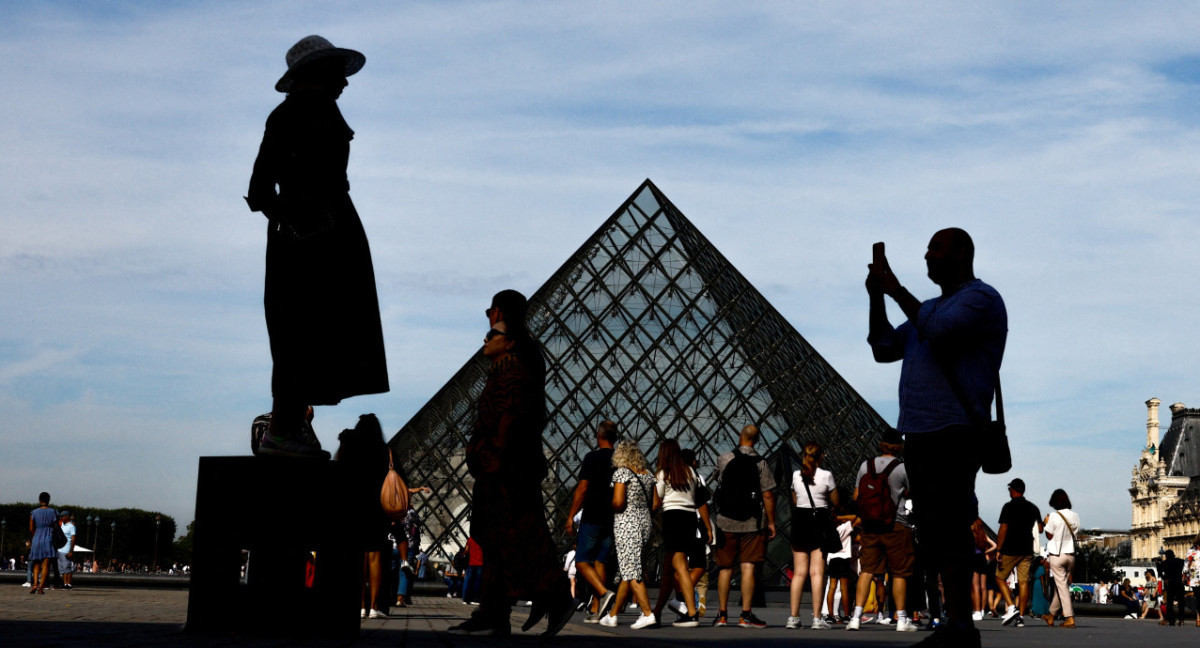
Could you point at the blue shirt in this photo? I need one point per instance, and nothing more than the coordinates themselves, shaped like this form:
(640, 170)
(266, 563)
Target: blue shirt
(967, 330)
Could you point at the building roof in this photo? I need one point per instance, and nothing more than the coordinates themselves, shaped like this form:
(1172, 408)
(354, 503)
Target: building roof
(1180, 446)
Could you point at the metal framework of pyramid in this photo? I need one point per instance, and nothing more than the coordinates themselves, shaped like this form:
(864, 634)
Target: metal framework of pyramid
(649, 325)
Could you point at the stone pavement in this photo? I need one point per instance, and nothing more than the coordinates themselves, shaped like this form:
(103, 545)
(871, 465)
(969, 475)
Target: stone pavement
(110, 616)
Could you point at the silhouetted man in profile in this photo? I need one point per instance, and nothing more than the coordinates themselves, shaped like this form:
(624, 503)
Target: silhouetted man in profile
(961, 333)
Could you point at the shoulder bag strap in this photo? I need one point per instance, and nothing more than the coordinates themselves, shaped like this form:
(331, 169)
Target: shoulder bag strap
(811, 503)
(1064, 519)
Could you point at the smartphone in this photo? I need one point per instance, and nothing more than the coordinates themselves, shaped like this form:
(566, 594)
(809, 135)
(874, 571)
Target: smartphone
(878, 257)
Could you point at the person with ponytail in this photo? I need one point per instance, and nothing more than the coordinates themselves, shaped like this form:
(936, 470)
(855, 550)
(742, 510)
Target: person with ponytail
(813, 494)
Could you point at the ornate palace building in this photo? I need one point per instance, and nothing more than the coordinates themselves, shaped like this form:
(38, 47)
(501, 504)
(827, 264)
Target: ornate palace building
(1165, 490)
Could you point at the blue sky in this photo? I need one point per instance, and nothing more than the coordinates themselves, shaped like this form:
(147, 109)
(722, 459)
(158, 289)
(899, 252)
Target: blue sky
(493, 137)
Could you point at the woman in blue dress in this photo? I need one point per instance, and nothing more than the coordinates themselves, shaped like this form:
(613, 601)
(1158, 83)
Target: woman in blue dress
(41, 548)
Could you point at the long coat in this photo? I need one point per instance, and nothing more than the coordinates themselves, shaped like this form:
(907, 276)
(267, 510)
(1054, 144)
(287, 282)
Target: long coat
(321, 306)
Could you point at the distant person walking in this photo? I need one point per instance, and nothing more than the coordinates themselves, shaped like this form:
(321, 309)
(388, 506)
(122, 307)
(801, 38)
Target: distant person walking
(321, 306)
(41, 548)
(505, 456)
(1018, 518)
(1061, 527)
(593, 495)
(675, 492)
(951, 343)
(632, 500)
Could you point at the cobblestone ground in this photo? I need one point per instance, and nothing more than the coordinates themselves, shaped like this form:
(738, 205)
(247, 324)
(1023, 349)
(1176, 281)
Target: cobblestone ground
(110, 616)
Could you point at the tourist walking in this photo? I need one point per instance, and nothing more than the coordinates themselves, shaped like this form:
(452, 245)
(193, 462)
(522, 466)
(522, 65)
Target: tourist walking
(321, 307)
(675, 493)
(593, 496)
(41, 548)
(813, 494)
(633, 488)
(1061, 527)
(1018, 518)
(506, 458)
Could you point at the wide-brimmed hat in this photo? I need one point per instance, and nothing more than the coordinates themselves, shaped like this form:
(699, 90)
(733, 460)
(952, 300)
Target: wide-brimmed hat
(314, 48)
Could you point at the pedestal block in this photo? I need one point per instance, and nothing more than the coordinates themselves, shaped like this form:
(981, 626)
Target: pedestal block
(271, 552)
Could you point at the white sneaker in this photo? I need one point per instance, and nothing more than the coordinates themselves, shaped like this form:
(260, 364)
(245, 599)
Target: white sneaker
(883, 620)
(608, 621)
(820, 624)
(793, 623)
(905, 625)
(376, 614)
(1010, 615)
(643, 621)
(364, 614)
(977, 615)
(27, 585)
(854, 624)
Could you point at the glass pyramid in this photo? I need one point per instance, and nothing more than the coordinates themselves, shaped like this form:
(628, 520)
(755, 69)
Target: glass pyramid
(648, 325)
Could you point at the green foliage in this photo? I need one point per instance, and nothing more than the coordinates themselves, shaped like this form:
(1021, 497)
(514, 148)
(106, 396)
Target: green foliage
(1093, 564)
(133, 540)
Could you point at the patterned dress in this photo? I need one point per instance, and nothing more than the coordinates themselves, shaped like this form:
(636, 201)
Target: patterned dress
(631, 526)
(508, 516)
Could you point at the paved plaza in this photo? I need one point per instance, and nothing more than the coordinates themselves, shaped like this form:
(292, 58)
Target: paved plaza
(112, 616)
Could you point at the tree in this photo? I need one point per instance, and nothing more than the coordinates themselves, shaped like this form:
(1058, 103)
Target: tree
(1093, 564)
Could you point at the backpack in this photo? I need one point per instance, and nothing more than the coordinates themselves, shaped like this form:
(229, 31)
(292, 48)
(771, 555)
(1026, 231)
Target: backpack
(875, 504)
(738, 497)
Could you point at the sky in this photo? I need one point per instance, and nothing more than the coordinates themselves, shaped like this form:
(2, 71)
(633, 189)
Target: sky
(492, 138)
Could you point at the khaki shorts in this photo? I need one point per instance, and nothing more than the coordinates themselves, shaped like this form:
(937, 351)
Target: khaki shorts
(1023, 565)
(883, 553)
(736, 548)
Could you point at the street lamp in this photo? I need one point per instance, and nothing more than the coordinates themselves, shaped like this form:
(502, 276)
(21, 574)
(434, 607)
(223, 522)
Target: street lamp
(157, 523)
(3, 530)
(90, 519)
(96, 536)
(110, 543)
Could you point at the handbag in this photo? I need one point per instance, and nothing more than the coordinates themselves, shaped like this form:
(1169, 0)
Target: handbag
(830, 539)
(394, 496)
(994, 455)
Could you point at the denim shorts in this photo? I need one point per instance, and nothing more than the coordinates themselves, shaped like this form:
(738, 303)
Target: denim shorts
(595, 543)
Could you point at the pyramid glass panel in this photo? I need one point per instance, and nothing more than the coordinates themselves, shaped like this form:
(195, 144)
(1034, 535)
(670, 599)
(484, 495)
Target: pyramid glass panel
(649, 325)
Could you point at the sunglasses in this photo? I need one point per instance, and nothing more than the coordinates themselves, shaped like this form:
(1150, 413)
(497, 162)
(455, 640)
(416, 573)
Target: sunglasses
(491, 334)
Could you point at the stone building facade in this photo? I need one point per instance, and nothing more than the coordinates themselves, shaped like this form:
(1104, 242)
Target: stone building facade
(1165, 489)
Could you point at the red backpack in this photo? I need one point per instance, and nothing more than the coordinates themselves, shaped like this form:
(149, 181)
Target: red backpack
(875, 504)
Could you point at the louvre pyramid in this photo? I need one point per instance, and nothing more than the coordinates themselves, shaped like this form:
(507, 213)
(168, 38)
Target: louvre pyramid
(648, 325)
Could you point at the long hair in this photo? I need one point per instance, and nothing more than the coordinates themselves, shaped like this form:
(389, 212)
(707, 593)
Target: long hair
(627, 454)
(810, 460)
(980, 534)
(672, 466)
(363, 446)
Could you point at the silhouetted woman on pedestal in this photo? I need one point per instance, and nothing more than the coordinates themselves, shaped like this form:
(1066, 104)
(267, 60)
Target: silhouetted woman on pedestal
(321, 305)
